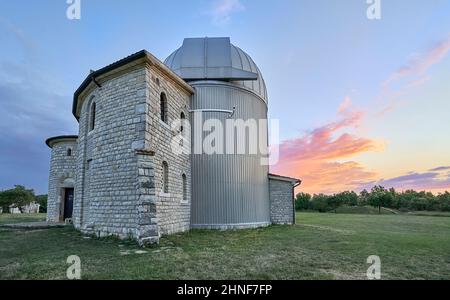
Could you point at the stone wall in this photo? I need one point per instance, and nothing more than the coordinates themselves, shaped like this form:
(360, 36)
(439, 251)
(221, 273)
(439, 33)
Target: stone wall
(107, 171)
(281, 201)
(119, 166)
(62, 174)
(173, 212)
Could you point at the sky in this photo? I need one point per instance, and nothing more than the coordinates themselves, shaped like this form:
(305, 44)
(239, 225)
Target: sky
(360, 102)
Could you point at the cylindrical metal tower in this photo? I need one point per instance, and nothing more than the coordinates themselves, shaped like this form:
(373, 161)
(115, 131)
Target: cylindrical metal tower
(228, 190)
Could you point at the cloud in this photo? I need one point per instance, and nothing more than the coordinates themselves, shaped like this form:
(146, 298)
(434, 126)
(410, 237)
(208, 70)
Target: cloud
(222, 11)
(320, 157)
(443, 168)
(429, 181)
(420, 63)
(409, 76)
(316, 156)
(345, 105)
(32, 110)
(27, 44)
(331, 177)
(385, 110)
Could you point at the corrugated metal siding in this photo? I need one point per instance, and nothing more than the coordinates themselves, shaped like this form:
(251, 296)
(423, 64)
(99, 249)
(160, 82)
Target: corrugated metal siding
(229, 190)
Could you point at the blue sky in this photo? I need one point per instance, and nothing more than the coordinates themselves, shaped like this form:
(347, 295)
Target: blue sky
(316, 56)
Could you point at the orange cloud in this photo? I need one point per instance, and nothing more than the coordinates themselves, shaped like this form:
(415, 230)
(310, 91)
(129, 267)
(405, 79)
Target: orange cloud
(314, 157)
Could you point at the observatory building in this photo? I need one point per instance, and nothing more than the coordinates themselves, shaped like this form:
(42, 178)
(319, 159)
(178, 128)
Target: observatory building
(139, 167)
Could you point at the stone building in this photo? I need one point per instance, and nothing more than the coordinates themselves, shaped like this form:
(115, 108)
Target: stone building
(123, 174)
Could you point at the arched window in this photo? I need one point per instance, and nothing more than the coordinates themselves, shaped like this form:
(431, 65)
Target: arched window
(165, 177)
(92, 116)
(69, 152)
(184, 187)
(163, 108)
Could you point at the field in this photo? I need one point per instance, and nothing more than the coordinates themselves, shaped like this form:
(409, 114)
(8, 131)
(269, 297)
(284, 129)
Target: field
(320, 246)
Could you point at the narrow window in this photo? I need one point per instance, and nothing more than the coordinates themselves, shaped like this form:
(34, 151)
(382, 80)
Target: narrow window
(182, 119)
(92, 117)
(165, 178)
(184, 187)
(69, 152)
(163, 108)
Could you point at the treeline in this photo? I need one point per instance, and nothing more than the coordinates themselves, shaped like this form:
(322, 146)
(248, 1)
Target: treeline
(19, 197)
(378, 197)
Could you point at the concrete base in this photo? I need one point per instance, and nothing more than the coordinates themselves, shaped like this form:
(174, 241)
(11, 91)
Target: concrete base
(230, 226)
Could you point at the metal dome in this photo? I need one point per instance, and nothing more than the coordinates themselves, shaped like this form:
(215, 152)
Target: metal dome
(217, 59)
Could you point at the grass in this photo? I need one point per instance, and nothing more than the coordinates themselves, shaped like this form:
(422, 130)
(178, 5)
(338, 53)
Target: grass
(320, 246)
(429, 213)
(366, 210)
(369, 210)
(19, 218)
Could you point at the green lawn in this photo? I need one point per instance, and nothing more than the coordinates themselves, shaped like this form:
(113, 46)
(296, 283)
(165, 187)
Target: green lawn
(320, 246)
(19, 218)
(365, 210)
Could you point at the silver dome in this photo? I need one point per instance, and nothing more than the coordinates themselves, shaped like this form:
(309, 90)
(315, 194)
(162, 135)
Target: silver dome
(217, 59)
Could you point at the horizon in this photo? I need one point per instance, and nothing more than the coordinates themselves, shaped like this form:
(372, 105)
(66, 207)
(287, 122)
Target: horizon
(360, 102)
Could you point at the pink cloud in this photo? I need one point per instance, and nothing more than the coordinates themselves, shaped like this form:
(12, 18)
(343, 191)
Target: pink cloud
(421, 63)
(314, 156)
(385, 110)
(412, 75)
(345, 105)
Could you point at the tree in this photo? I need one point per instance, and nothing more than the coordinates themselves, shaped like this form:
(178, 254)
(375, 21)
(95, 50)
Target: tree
(42, 200)
(380, 197)
(347, 198)
(394, 201)
(363, 198)
(320, 203)
(303, 201)
(444, 201)
(405, 199)
(17, 197)
(334, 202)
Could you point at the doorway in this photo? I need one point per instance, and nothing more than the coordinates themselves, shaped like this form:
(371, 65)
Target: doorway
(68, 203)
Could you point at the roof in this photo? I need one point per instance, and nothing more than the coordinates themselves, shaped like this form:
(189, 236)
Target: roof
(143, 55)
(50, 142)
(216, 59)
(294, 181)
